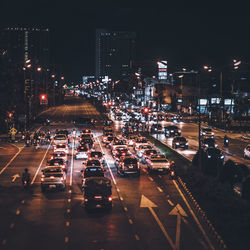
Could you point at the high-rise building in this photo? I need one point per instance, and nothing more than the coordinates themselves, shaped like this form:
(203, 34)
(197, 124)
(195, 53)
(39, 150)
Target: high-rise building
(26, 43)
(114, 53)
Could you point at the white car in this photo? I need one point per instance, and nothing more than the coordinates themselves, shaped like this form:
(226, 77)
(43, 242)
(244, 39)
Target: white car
(158, 162)
(61, 147)
(60, 139)
(139, 141)
(246, 153)
(130, 140)
(207, 132)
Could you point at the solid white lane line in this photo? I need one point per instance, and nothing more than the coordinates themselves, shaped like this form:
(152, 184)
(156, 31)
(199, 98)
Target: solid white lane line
(41, 163)
(11, 160)
(162, 227)
(72, 161)
(160, 189)
(171, 203)
(194, 216)
(112, 176)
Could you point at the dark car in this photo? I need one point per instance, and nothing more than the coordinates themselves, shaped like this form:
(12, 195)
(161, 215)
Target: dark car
(156, 128)
(214, 154)
(97, 193)
(84, 121)
(58, 162)
(180, 142)
(128, 165)
(208, 142)
(171, 131)
(92, 171)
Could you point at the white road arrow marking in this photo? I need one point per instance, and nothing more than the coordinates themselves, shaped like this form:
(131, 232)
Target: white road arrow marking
(179, 212)
(14, 177)
(145, 202)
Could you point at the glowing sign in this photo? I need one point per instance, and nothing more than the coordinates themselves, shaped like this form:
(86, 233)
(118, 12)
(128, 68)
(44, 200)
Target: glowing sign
(162, 69)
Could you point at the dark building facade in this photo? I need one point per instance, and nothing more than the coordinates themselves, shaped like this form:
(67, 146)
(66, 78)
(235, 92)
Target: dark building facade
(25, 55)
(114, 53)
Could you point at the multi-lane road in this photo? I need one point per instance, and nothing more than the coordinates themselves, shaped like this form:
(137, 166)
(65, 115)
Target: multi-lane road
(149, 212)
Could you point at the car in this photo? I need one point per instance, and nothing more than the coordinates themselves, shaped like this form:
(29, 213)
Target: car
(97, 155)
(214, 154)
(92, 171)
(130, 139)
(58, 162)
(61, 147)
(93, 163)
(142, 148)
(208, 142)
(118, 116)
(180, 142)
(81, 121)
(156, 129)
(86, 140)
(116, 143)
(105, 136)
(139, 141)
(60, 155)
(147, 153)
(82, 152)
(128, 165)
(158, 162)
(97, 193)
(246, 153)
(108, 141)
(207, 132)
(120, 152)
(60, 139)
(53, 178)
(86, 132)
(172, 131)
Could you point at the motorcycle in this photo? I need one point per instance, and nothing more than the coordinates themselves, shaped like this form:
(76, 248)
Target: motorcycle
(27, 142)
(26, 183)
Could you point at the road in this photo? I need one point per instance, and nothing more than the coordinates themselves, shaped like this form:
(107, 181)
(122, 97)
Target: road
(190, 132)
(149, 212)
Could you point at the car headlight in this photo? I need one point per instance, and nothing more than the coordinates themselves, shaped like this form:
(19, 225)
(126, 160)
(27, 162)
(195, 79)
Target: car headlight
(209, 156)
(177, 143)
(179, 131)
(222, 157)
(212, 133)
(186, 143)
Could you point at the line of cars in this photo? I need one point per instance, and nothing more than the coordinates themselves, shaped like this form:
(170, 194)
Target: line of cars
(54, 174)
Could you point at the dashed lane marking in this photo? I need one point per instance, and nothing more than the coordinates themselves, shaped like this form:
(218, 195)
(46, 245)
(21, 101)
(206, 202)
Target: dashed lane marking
(130, 221)
(121, 198)
(160, 189)
(18, 211)
(171, 203)
(66, 239)
(150, 178)
(4, 242)
(137, 237)
(68, 210)
(69, 200)
(67, 223)
(125, 209)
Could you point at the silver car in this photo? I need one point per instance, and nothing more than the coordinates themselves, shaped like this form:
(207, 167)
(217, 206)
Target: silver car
(158, 162)
(53, 178)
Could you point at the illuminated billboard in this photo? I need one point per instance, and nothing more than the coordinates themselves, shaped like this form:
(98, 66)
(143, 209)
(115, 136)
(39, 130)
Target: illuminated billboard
(162, 70)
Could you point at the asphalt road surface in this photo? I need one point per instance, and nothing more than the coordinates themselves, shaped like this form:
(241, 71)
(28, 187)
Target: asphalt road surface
(149, 212)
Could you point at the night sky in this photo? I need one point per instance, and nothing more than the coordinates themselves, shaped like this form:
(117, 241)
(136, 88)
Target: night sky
(185, 35)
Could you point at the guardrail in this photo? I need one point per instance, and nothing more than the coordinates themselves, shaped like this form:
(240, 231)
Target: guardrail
(195, 204)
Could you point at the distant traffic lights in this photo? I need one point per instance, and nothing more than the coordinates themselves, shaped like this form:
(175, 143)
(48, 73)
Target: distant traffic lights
(146, 110)
(43, 99)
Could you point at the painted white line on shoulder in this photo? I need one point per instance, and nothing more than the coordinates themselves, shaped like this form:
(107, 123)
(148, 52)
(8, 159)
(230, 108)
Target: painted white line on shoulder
(41, 163)
(194, 216)
(170, 203)
(160, 189)
(11, 160)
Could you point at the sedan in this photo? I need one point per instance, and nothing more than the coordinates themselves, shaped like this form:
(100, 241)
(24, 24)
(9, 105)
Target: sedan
(180, 142)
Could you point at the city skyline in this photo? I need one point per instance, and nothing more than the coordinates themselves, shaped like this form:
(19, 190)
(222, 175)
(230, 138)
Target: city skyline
(187, 36)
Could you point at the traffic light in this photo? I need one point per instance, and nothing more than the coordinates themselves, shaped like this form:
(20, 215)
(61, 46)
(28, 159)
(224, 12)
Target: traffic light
(43, 99)
(146, 110)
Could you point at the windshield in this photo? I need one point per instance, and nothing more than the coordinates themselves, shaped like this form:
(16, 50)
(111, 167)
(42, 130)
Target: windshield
(96, 154)
(130, 161)
(148, 152)
(93, 163)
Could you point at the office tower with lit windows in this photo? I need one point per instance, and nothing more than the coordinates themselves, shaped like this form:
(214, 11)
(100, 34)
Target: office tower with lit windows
(114, 53)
